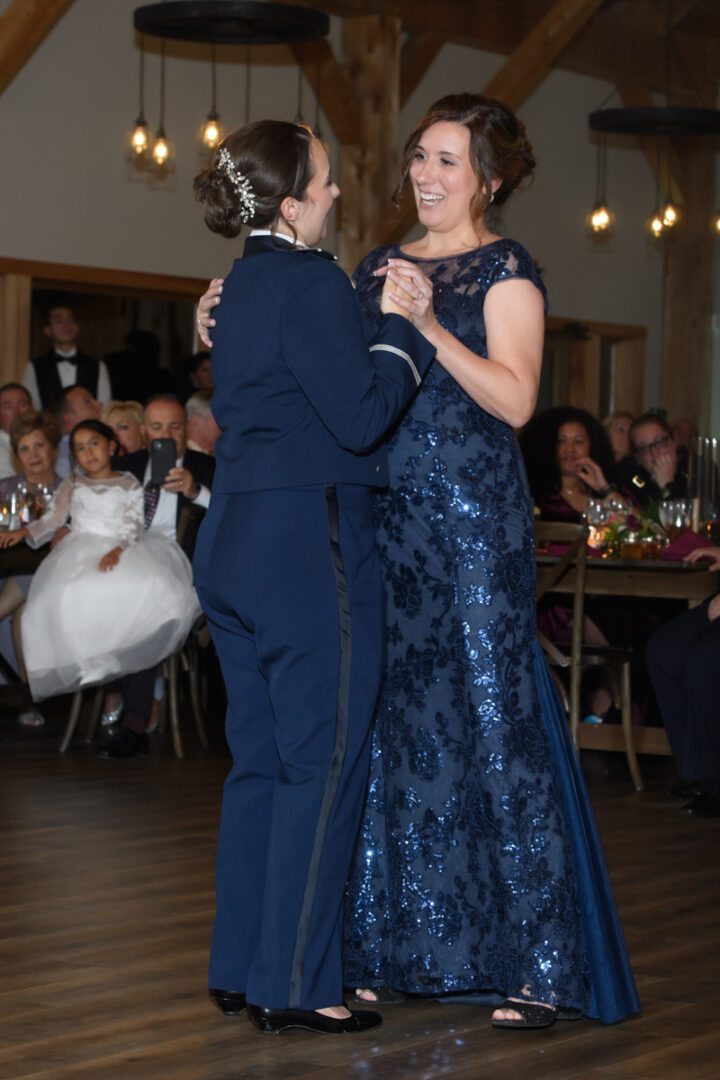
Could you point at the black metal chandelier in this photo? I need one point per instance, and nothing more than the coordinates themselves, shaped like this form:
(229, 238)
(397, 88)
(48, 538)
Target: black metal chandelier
(231, 22)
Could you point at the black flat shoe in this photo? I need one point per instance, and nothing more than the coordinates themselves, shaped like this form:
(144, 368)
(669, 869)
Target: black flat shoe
(273, 1021)
(703, 806)
(125, 744)
(230, 1002)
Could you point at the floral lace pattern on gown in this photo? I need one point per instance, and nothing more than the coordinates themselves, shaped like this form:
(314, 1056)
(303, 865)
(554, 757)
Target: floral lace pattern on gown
(461, 879)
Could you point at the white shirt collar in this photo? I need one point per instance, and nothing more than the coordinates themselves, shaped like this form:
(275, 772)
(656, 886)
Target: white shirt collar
(66, 354)
(284, 236)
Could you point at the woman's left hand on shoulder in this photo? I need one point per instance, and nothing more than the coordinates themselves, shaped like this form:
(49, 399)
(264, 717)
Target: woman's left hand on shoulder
(203, 318)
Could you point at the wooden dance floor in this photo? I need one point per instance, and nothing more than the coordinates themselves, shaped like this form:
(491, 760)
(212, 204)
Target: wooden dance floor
(106, 904)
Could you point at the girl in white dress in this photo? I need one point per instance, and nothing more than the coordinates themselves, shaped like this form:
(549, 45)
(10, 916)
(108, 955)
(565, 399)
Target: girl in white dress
(110, 599)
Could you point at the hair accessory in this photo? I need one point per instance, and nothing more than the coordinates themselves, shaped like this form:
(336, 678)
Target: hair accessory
(241, 184)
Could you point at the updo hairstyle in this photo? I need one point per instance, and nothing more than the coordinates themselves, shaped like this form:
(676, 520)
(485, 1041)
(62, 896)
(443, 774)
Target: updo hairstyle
(499, 148)
(274, 157)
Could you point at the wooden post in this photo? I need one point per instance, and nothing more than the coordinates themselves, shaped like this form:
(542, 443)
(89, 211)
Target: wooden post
(15, 294)
(368, 169)
(689, 288)
(627, 375)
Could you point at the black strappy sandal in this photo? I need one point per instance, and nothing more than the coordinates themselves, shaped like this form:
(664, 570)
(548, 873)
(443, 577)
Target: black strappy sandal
(533, 1016)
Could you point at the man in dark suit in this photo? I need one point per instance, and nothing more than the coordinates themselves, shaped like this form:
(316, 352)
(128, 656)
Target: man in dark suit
(64, 365)
(187, 484)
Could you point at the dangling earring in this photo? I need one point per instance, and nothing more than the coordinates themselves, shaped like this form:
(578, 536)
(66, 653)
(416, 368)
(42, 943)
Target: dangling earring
(492, 196)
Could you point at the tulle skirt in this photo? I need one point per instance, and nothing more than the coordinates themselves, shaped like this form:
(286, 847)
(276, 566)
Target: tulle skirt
(82, 627)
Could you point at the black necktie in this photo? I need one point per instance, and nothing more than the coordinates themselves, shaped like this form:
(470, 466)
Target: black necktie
(151, 499)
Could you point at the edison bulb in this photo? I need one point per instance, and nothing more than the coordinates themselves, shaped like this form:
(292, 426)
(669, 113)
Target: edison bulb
(717, 224)
(160, 150)
(670, 216)
(656, 225)
(211, 132)
(600, 219)
(139, 137)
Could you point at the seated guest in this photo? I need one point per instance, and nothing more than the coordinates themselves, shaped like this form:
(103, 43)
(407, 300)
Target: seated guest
(125, 418)
(685, 432)
(203, 430)
(617, 425)
(569, 460)
(64, 365)
(658, 468)
(73, 405)
(187, 484)
(14, 400)
(199, 372)
(34, 442)
(108, 599)
(683, 658)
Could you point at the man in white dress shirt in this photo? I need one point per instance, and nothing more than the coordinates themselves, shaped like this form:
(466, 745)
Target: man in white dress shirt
(14, 399)
(64, 365)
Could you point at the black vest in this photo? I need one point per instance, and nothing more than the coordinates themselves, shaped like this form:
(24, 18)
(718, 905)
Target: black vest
(48, 379)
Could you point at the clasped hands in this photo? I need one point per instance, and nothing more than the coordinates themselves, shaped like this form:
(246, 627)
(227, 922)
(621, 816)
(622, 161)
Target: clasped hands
(406, 291)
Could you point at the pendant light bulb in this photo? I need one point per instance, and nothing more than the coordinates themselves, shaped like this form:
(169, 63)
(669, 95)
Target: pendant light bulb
(656, 225)
(160, 150)
(716, 223)
(211, 132)
(669, 215)
(601, 218)
(139, 138)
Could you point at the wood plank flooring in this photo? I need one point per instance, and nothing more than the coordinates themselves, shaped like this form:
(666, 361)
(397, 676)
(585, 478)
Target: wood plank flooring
(106, 905)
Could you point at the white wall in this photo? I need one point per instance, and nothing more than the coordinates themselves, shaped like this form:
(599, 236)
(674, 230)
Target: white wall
(68, 195)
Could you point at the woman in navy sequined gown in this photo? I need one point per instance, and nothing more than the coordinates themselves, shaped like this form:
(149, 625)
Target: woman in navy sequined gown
(478, 865)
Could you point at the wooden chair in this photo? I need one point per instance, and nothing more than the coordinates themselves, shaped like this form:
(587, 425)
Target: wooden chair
(576, 657)
(187, 659)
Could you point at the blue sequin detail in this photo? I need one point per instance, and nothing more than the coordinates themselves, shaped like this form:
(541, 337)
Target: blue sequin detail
(462, 879)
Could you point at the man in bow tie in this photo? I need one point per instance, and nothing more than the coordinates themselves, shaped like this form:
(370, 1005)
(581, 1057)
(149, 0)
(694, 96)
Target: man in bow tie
(64, 364)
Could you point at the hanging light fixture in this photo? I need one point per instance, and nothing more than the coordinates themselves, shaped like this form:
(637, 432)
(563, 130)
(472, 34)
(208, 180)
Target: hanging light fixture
(139, 135)
(601, 218)
(299, 118)
(656, 224)
(716, 223)
(247, 84)
(161, 147)
(211, 132)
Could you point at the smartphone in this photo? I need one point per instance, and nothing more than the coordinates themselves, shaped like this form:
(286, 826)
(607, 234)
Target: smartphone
(163, 453)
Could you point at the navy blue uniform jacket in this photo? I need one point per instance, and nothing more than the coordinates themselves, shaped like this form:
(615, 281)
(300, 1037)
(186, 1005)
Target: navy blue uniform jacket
(304, 390)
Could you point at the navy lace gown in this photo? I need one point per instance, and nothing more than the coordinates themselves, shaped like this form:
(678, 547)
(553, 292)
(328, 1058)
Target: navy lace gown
(478, 866)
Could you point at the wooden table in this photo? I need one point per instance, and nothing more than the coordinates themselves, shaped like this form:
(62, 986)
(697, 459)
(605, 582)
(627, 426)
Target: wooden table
(655, 578)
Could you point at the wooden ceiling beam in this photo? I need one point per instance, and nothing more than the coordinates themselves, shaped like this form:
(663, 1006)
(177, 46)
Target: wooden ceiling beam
(623, 44)
(531, 61)
(23, 26)
(417, 55)
(333, 88)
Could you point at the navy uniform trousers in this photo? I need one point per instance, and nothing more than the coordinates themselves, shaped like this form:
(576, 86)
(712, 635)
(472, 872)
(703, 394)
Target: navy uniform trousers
(290, 581)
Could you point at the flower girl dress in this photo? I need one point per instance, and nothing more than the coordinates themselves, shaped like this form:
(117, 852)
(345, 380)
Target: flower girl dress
(82, 626)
